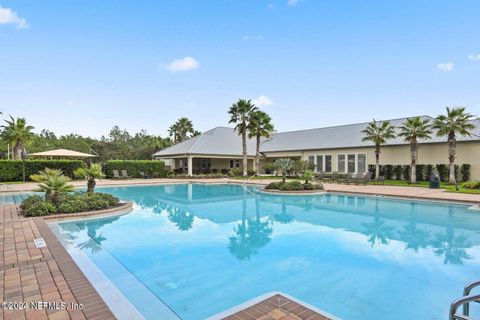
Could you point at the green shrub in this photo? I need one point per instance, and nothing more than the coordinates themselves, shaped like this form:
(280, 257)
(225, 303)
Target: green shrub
(12, 170)
(38, 208)
(428, 171)
(237, 172)
(406, 172)
(388, 169)
(72, 205)
(134, 167)
(465, 172)
(443, 172)
(69, 203)
(471, 185)
(293, 186)
(420, 172)
(397, 171)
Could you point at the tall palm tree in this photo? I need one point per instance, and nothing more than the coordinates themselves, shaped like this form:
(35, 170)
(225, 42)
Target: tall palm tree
(378, 133)
(18, 133)
(260, 126)
(411, 130)
(456, 121)
(181, 130)
(240, 114)
(90, 173)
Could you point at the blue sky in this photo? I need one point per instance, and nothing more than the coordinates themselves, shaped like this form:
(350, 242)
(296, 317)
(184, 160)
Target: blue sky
(84, 66)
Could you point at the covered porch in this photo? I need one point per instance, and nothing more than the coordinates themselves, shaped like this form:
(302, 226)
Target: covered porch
(203, 164)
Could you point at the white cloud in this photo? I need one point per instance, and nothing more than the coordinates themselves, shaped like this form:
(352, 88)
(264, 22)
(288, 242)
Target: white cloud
(474, 57)
(182, 64)
(8, 16)
(254, 38)
(446, 67)
(292, 3)
(262, 101)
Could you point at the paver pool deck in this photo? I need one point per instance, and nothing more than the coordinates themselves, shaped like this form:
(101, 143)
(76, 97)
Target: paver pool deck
(31, 274)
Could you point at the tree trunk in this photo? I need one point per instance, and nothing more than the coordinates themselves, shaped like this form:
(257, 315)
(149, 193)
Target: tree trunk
(413, 157)
(257, 155)
(91, 185)
(17, 150)
(244, 152)
(377, 162)
(452, 146)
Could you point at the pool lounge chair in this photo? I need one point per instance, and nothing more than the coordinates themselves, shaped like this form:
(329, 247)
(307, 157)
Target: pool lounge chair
(116, 175)
(332, 178)
(320, 176)
(125, 175)
(365, 178)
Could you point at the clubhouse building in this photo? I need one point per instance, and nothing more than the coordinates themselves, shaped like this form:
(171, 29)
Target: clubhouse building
(337, 148)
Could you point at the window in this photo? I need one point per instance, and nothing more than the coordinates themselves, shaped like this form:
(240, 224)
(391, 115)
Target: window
(341, 163)
(361, 163)
(234, 163)
(319, 163)
(311, 160)
(351, 163)
(328, 163)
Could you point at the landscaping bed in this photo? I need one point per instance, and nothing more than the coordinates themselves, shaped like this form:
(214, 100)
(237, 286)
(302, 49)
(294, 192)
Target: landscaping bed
(294, 187)
(35, 205)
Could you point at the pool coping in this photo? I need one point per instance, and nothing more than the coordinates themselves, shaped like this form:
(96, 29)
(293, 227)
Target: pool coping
(123, 208)
(82, 289)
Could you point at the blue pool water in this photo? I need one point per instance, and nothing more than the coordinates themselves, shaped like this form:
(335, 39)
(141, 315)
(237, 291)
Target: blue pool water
(206, 248)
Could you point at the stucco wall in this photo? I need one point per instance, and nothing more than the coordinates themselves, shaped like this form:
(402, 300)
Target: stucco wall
(467, 153)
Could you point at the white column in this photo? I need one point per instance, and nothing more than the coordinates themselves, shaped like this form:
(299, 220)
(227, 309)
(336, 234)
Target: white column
(190, 165)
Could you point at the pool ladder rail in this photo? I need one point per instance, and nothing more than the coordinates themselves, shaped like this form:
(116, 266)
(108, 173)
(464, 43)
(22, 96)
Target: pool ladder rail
(465, 302)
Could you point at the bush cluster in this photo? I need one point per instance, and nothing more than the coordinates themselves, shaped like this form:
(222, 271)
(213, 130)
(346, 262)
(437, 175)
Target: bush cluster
(423, 172)
(293, 186)
(236, 172)
(471, 185)
(195, 176)
(12, 170)
(69, 203)
(134, 167)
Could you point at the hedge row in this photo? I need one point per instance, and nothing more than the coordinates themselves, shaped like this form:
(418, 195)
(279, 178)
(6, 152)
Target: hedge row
(134, 167)
(423, 172)
(12, 170)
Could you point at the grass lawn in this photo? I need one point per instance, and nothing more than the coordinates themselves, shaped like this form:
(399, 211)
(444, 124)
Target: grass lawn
(264, 178)
(424, 184)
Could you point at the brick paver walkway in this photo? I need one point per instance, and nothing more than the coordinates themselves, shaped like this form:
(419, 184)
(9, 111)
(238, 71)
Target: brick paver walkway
(30, 276)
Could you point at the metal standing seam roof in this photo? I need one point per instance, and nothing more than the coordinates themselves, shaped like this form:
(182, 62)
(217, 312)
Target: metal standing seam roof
(218, 141)
(345, 136)
(225, 141)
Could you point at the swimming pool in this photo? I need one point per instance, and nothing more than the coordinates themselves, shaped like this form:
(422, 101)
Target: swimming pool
(202, 249)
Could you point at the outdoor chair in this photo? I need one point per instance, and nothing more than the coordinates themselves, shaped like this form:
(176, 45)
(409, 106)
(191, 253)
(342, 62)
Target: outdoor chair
(144, 175)
(332, 178)
(116, 175)
(365, 178)
(320, 176)
(125, 175)
(347, 179)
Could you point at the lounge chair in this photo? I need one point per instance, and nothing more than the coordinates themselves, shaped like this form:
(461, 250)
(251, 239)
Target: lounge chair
(365, 178)
(144, 175)
(125, 175)
(332, 178)
(347, 179)
(116, 175)
(320, 176)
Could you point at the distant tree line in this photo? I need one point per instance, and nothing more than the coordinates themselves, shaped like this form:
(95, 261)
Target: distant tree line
(17, 135)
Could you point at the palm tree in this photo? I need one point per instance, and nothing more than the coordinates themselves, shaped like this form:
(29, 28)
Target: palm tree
(411, 130)
(18, 133)
(90, 173)
(180, 130)
(308, 175)
(260, 126)
(283, 165)
(53, 183)
(241, 114)
(456, 121)
(378, 133)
